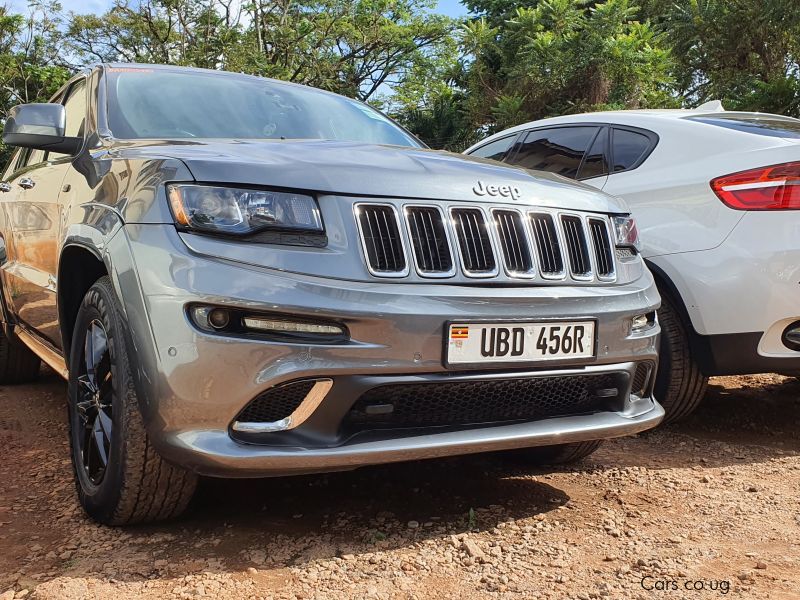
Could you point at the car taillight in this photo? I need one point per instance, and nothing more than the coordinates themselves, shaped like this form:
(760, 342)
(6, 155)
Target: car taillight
(776, 187)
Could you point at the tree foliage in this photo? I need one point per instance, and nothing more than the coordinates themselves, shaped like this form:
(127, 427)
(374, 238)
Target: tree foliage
(31, 69)
(354, 47)
(562, 56)
(743, 52)
(450, 82)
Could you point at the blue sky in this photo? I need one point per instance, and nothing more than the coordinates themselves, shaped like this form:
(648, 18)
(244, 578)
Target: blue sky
(451, 8)
(80, 6)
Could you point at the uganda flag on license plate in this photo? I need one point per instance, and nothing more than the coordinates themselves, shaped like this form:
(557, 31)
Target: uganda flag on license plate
(459, 332)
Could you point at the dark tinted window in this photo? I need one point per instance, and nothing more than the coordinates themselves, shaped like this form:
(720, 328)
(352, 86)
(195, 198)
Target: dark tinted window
(767, 125)
(558, 150)
(595, 163)
(495, 150)
(167, 104)
(627, 148)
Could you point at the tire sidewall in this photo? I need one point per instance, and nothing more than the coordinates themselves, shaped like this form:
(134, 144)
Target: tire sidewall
(664, 372)
(97, 498)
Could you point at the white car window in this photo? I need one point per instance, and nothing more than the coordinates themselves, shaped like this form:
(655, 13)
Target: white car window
(557, 150)
(496, 149)
(628, 148)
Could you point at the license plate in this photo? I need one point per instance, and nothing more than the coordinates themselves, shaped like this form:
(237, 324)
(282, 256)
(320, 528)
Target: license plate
(475, 343)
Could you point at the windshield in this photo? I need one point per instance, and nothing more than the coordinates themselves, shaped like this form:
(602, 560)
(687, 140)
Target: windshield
(164, 104)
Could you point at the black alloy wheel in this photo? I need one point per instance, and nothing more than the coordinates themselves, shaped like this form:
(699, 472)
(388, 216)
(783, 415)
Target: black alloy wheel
(94, 403)
(120, 477)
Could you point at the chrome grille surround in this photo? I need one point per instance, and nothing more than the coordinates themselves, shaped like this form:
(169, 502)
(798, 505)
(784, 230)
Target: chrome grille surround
(475, 242)
(515, 242)
(573, 229)
(367, 234)
(479, 246)
(603, 247)
(548, 245)
(417, 220)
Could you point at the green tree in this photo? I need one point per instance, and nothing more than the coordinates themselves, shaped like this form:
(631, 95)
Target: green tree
(563, 56)
(31, 63)
(355, 47)
(743, 52)
(442, 121)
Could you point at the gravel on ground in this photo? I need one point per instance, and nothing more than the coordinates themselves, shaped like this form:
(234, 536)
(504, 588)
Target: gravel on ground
(704, 508)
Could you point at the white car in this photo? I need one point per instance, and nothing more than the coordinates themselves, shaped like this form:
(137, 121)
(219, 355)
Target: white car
(716, 196)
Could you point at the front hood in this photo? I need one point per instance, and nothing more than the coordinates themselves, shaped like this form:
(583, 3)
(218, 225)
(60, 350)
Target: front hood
(358, 169)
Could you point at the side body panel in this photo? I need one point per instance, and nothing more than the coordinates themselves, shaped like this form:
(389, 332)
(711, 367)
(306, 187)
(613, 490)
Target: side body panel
(33, 218)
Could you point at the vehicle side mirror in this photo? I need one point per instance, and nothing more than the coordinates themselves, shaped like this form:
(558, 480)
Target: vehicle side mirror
(41, 127)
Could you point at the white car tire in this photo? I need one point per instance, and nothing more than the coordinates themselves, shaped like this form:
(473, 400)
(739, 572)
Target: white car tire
(680, 384)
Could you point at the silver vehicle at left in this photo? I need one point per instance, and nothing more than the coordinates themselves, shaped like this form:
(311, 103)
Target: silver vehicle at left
(243, 278)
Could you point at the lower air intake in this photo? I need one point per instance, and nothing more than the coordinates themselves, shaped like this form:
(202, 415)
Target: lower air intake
(474, 402)
(276, 403)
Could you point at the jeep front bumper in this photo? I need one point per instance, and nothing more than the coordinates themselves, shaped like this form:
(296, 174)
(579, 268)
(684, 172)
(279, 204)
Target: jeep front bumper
(193, 384)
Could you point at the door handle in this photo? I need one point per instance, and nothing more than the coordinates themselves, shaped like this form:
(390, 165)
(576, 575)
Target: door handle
(26, 183)
(5, 186)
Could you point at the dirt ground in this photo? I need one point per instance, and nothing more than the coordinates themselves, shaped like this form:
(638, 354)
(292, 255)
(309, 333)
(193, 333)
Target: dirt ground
(705, 508)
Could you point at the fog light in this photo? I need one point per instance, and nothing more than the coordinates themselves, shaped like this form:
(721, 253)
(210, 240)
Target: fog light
(219, 318)
(210, 318)
(641, 323)
(275, 326)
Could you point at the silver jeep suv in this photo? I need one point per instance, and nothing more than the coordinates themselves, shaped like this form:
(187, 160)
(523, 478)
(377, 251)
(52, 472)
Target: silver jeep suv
(243, 278)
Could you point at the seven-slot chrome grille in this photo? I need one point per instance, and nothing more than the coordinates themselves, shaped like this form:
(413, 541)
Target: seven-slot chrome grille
(485, 242)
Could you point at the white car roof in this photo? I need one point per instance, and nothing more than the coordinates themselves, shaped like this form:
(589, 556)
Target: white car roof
(651, 118)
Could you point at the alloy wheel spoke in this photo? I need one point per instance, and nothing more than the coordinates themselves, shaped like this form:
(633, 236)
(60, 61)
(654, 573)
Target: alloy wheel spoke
(95, 348)
(93, 403)
(105, 423)
(99, 443)
(86, 447)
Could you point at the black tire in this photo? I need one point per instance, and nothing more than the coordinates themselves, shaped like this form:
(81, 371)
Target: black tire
(134, 485)
(560, 454)
(17, 363)
(680, 385)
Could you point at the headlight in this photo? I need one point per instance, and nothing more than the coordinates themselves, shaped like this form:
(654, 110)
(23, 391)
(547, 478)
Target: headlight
(240, 211)
(625, 232)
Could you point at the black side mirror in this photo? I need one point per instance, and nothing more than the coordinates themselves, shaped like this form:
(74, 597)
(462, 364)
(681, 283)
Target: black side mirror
(41, 127)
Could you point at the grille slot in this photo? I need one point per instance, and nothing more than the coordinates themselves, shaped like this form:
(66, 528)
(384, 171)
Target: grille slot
(429, 240)
(473, 402)
(276, 403)
(514, 242)
(474, 242)
(602, 247)
(380, 233)
(641, 378)
(548, 250)
(577, 248)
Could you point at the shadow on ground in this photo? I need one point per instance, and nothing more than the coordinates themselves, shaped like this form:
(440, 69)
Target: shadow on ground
(291, 521)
